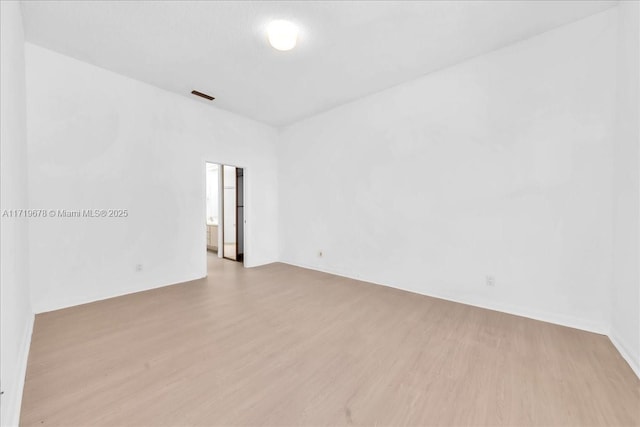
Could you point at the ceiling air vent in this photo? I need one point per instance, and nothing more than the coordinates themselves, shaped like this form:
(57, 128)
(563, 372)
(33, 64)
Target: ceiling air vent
(202, 95)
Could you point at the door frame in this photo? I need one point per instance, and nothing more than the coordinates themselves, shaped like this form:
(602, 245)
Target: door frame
(239, 224)
(245, 196)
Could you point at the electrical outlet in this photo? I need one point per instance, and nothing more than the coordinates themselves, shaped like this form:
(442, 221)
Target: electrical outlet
(138, 267)
(490, 281)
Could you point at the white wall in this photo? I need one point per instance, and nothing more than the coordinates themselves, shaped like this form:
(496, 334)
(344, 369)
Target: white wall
(98, 140)
(498, 166)
(16, 316)
(625, 322)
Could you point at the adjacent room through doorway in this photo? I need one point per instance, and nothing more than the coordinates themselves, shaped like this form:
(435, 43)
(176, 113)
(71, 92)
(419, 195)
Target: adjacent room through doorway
(225, 211)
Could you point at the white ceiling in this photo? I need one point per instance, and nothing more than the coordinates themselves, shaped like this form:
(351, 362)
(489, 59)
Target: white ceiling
(346, 50)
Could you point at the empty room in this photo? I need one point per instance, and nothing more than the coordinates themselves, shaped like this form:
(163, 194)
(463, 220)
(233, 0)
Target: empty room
(320, 213)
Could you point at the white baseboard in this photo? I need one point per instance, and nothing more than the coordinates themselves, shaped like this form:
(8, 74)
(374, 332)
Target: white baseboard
(634, 362)
(59, 304)
(555, 318)
(12, 400)
(44, 306)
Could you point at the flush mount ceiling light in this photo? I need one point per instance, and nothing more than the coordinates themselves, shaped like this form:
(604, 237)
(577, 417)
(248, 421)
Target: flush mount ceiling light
(283, 35)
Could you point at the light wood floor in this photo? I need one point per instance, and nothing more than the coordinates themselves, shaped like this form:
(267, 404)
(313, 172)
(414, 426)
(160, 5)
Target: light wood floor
(279, 345)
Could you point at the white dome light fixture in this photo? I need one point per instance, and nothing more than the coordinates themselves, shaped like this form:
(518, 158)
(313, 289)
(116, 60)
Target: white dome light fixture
(283, 35)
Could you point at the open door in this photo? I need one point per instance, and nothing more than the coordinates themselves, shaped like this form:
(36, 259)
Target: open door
(229, 221)
(233, 213)
(213, 206)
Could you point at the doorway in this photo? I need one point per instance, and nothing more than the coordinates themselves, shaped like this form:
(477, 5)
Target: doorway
(225, 210)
